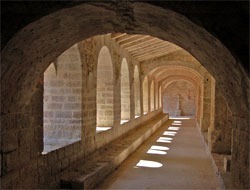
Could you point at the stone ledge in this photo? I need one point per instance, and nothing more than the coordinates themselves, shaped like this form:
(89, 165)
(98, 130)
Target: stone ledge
(88, 174)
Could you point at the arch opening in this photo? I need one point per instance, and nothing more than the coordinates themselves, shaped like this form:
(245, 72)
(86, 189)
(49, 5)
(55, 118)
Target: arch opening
(137, 92)
(145, 95)
(152, 96)
(105, 92)
(62, 101)
(209, 57)
(125, 92)
(160, 97)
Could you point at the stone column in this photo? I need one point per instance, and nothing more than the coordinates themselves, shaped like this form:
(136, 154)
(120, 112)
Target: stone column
(178, 110)
(89, 78)
(220, 130)
(240, 153)
(206, 114)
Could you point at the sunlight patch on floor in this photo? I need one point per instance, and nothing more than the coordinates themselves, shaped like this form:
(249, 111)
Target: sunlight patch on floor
(148, 164)
(164, 140)
(169, 133)
(173, 128)
(151, 151)
(154, 147)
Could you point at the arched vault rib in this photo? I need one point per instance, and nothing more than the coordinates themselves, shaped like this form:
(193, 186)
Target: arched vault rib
(169, 79)
(178, 71)
(195, 68)
(27, 55)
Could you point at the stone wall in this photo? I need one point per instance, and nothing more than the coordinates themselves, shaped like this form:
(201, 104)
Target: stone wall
(30, 51)
(63, 100)
(182, 93)
(220, 130)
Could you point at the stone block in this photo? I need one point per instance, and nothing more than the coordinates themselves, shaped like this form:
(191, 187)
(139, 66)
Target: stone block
(65, 163)
(74, 84)
(63, 114)
(9, 142)
(77, 91)
(10, 161)
(48, 114)
(56, 83)
(77, 114)
(54, 106)
(58, 98)
(7, 123)
(72, 106)
(72, 98)
(24, 154)
(22, 121)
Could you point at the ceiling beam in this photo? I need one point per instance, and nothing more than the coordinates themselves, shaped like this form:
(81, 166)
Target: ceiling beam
(152, 50)
(156, 51)
(138, 41)
(124, 37)
(151, 56)
(117, 35)
(132, 39)
(144, 45)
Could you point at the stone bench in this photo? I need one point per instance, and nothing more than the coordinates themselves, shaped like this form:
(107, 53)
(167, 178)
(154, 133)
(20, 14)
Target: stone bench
(90, 173)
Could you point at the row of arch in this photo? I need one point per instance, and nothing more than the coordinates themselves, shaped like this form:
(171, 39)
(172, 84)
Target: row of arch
(105, 91)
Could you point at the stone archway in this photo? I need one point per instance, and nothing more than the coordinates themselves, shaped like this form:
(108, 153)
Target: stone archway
(105, 116)
(32, 49)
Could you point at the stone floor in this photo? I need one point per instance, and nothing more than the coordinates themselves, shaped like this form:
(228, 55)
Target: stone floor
(173, 158)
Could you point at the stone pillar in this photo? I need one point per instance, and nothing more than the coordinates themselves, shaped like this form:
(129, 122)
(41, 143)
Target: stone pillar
(220, 130)
(178, 110)
(89, 78)
(240, 153)
(206, 113)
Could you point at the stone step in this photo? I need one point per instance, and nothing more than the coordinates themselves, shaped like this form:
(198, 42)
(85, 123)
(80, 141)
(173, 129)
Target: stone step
(90, 173)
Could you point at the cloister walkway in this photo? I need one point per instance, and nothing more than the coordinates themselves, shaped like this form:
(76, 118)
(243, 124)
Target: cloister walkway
(173, 158)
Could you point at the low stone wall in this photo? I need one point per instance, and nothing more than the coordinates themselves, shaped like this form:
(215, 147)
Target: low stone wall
(104, 138)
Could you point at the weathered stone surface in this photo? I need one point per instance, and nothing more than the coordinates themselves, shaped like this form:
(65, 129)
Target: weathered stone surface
(27, 55)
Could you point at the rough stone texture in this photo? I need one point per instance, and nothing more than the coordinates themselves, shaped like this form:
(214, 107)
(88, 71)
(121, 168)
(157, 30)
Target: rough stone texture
(220, 131)
(27, 55)
(207, 102)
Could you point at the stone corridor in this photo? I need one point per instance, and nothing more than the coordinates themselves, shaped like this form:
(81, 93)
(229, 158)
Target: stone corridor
(174, 157)
(84, 84)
